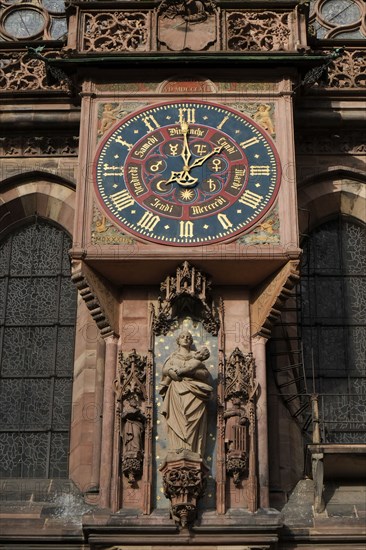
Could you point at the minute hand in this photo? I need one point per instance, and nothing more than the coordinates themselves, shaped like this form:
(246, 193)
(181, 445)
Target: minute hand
(201, 160)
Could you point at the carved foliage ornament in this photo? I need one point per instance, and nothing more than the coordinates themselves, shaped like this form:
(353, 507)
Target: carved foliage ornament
(258, 31)
(184, 483)
(39, 146)
(186, 292)
(130, 387)
(115, 31)
(20, 72)
(240, 394)
(347, 71)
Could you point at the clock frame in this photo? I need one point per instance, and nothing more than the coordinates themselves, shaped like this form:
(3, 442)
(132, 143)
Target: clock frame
(186, 173)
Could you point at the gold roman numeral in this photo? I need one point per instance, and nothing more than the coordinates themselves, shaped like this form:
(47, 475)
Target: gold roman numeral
(224, 220)
(123, 142)
(151, 123)
(187, 115)
(250, 199)
(122, 199)
(249, 142)
(148, 221)
(225, 119)
(186, 229)
(260, 170)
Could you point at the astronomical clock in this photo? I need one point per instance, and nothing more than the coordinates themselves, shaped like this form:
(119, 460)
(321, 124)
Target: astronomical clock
(185, 244)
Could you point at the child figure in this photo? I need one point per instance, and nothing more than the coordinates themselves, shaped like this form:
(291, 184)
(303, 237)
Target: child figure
(185, 363)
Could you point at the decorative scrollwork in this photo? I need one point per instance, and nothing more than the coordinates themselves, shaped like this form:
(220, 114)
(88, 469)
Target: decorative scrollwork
(188, 292)
(347, 71)
(19, 72)
(115, 31)
(258, 31)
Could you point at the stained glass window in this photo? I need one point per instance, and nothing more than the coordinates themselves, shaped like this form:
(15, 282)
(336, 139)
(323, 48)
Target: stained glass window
(37, 323)
(338, 19)
(41, 20)
(334, 327)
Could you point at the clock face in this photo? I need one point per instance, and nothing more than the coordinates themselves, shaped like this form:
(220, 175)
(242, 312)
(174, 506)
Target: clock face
(186, 173)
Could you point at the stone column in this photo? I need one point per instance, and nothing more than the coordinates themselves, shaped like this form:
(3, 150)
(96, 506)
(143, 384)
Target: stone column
(106, 458)
(259, 353)
(98, 408)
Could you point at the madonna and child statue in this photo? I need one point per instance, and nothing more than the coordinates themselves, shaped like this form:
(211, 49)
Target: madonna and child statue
(185, 390)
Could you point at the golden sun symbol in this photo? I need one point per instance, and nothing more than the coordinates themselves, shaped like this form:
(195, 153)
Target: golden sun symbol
(187, 194)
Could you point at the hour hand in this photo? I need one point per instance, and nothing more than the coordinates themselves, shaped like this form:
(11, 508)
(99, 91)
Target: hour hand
(183, 178)
(201, 160)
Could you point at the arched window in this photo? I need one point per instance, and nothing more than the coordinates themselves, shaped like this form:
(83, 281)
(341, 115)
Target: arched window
(333, 287)
(37, 323)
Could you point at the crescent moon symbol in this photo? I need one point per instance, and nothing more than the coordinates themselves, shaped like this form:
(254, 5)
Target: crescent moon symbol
(159, 183)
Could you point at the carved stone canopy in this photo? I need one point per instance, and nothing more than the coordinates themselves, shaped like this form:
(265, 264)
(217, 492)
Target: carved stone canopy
(240, 371)
(186, 294)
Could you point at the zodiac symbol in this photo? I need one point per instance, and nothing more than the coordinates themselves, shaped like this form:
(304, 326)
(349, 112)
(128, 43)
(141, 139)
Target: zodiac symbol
(155, 167)
(216, 165)
(211, 185)
(173, 149)
(200, 149)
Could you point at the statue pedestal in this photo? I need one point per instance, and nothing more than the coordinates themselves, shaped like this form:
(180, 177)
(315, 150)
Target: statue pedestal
(184, 481)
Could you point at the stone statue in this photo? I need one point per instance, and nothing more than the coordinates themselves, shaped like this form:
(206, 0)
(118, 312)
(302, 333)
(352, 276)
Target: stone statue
(133, 422)
(186, 391)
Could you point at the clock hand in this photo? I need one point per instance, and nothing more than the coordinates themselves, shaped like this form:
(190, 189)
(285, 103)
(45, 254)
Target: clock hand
(183, 178)
(186, 154)
(201, 160)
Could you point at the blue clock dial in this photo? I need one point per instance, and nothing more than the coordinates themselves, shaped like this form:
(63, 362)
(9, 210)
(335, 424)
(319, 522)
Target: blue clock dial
(186, 173)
